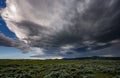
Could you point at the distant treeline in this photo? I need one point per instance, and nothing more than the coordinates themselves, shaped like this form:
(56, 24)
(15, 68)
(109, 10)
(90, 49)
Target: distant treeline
(94, 58)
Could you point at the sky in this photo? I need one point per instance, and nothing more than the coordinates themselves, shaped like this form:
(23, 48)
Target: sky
(53, 29)
(9, 52)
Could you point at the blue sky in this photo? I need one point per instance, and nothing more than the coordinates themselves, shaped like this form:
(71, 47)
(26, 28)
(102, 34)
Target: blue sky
(9, 52)
(12, 53)
(3, 27)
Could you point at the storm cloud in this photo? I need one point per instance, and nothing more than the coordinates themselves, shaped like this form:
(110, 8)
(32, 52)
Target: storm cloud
(9, 42)
(64, 27)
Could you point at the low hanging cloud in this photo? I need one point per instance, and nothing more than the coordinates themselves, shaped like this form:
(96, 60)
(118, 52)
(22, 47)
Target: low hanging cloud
(63, 27)
(9, 42)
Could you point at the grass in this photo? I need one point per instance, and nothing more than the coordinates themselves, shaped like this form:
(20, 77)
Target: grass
(87, 68)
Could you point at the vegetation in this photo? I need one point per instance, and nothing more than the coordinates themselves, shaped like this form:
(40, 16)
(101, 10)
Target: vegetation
(85, 68)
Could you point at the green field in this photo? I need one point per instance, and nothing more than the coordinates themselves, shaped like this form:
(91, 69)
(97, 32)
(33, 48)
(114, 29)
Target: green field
(60, 68)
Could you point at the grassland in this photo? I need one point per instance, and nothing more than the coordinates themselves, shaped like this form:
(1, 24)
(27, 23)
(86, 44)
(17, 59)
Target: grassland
(87, 68)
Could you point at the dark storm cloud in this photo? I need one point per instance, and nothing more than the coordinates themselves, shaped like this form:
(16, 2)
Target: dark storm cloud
(9, 42)
(5, 41)
(36, 33)
(62, 26)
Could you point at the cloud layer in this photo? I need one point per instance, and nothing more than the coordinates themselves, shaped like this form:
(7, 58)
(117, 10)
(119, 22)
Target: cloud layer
(63, 27)
(9, 42)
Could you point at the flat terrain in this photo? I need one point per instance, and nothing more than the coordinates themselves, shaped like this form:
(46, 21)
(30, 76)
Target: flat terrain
(87, 68)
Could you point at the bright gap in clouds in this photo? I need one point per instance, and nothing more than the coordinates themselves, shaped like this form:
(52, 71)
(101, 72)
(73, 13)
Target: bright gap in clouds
(63, 28)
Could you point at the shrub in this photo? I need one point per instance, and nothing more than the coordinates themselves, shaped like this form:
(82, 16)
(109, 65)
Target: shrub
(58, 74)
